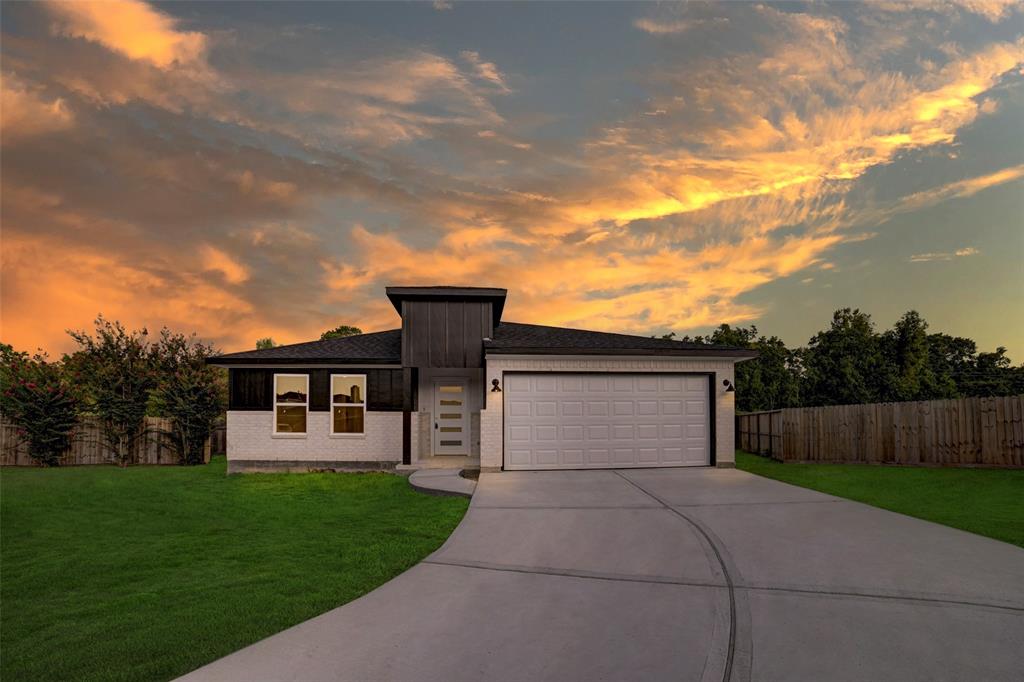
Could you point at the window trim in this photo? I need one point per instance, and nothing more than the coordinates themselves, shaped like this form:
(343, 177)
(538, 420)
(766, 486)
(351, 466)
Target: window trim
(332, 405)
(289, 434)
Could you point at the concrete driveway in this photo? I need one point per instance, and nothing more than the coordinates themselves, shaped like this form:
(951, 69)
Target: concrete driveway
(682, 574)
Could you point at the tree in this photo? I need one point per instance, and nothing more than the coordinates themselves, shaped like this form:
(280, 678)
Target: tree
(40, 401)
(116, 371)
(950, 360)
(340, 331)
(992, 375)
(843, 364)
(769, 381)
(904, 348)
(189, 392)
(265, 343)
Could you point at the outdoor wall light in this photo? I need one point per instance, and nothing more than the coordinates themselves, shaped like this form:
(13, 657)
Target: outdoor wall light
(494, 386)
(729, 388)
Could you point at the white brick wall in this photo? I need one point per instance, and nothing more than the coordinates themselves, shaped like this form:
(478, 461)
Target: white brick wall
(492, 422)
(249, 437)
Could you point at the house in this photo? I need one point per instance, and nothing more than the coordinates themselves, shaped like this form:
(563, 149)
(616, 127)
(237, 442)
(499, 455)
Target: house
(458, 386)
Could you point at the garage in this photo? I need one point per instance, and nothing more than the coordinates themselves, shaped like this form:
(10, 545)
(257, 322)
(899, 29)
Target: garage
(606, 420)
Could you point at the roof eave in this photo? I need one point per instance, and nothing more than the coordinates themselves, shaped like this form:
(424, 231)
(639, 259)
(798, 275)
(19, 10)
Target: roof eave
(222, 361)
(677, 352)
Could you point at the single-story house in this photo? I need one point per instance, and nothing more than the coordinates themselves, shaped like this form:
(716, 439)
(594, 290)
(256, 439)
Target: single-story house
(458, 386)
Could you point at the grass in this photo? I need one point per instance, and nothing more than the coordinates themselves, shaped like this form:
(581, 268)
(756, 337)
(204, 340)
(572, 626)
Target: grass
(148, 572)
(984, 501)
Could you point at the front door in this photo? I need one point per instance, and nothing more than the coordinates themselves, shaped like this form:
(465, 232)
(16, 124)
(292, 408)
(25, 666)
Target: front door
(451, 417)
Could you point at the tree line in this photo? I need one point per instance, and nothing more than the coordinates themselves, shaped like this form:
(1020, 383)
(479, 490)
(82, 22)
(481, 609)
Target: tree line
(119, 377)
(851, 363)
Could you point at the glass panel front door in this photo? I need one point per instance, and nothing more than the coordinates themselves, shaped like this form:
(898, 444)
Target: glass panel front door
(451, 417)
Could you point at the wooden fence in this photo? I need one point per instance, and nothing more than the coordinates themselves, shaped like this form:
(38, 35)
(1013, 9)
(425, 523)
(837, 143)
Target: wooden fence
(88, 446)
(962, 432)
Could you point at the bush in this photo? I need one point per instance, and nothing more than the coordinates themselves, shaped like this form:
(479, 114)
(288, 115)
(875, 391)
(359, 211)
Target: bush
(117, 373)
(40, 402)
(189, 392)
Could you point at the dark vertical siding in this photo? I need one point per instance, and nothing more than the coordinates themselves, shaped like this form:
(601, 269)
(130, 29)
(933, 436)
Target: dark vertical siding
(439, 333)
(438, 336)
(320, 388)
(253, 388)
(456, 335)
(250, 389)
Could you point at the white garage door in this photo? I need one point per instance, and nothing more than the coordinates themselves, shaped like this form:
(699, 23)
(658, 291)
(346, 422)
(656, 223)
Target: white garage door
(582, 421)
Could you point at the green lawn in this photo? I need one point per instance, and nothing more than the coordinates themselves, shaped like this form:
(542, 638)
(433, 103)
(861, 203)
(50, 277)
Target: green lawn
(148, 572)
(984, 501)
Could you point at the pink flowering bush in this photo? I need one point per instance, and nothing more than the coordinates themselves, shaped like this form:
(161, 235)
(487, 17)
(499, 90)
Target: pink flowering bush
(36, 396)
(117, 371)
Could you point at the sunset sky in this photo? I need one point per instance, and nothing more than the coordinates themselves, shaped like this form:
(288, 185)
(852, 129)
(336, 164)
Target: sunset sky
(247, 170)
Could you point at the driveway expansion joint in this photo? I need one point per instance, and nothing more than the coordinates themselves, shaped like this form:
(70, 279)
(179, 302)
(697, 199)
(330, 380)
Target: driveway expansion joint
(560, 506)
(574, 573)
(730, 656)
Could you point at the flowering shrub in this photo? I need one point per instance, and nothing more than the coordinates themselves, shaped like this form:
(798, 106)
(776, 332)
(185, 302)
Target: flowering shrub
(117, 372)
(189, 392)
(36, 397)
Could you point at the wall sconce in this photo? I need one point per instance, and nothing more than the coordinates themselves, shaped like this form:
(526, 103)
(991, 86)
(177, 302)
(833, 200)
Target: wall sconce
(729, 388)
(494, 386)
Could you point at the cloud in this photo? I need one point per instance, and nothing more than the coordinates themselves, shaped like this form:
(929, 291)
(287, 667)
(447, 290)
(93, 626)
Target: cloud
(665, 27)
(943, 256)
(443, 5)
(220, 261)
(486, 71)
(27, 111)
(312, 167)
(131, 28)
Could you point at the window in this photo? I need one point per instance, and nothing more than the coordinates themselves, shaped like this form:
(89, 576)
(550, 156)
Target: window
(348, 403)
(291, 401)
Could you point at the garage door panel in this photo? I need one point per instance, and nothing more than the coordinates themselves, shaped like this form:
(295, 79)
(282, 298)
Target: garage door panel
(572, 384)
(647, 432)
(673, 384)
(520, 434)
(647, 455)
(572, 432)
(572, 457)
(519, 408)
(623, 432)
(671, 407)
(572, 408)
(624, 455)
(623, 408)
(672, 455)
(564, 420)
(647, 407)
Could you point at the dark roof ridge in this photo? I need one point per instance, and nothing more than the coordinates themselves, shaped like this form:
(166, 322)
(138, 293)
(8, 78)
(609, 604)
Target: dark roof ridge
(668, 343)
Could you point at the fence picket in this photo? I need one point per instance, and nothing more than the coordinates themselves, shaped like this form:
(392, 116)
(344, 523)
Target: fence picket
(957, 432)
(87, 446)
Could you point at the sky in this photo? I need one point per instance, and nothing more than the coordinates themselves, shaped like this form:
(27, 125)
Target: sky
(244, 170)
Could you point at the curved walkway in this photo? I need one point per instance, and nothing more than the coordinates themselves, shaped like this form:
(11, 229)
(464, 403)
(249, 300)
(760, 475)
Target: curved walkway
(442, 482)
(686, 574)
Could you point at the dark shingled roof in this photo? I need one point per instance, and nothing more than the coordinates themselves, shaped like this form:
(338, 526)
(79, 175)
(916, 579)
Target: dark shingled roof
(513, 337)
(509, 337)
(373, 349)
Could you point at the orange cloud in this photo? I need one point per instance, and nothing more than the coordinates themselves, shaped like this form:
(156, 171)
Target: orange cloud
(131, 28)
(26, 111)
